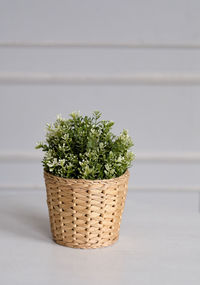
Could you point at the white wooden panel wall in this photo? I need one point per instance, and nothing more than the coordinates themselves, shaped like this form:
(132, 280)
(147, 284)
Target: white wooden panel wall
(136, 61)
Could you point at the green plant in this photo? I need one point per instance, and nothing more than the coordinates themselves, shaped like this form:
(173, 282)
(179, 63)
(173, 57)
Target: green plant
(85, 147)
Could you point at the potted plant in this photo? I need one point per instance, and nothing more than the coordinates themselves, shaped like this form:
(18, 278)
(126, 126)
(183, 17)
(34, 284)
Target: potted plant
(86, 176)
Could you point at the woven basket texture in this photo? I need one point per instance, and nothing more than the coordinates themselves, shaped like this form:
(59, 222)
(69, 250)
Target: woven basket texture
(85, 213)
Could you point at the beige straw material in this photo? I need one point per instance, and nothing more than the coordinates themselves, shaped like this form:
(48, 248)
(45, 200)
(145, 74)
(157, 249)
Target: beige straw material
(85, 213)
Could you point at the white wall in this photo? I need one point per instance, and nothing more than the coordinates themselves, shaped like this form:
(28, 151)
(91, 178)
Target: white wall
(136, 61)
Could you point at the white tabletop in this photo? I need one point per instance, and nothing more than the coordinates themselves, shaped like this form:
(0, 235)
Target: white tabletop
(159, 243)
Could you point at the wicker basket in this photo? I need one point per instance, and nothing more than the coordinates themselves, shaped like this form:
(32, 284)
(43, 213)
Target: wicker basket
(85, 213)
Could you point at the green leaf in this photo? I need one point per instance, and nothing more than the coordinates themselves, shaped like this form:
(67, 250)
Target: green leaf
(85, 147)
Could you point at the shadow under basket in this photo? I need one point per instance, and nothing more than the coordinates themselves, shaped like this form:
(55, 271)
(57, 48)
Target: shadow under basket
(85, 213)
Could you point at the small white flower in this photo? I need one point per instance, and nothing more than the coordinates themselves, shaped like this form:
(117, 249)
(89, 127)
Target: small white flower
(59, 117)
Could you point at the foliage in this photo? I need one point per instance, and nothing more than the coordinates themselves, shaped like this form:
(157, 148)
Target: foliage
(85, 147)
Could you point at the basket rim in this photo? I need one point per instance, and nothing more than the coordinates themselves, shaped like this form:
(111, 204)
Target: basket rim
(126, 173)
